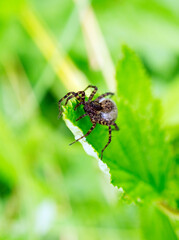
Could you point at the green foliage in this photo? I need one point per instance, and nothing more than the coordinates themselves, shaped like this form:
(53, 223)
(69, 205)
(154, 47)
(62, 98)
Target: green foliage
(138, 157)
(7, 12)
(49, 190)
(153, 218)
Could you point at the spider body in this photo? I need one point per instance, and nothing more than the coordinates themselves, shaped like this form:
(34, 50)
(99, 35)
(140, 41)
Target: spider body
(101, 110)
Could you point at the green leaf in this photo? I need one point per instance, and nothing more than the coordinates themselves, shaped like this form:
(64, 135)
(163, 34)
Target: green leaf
(138, 157)
(156, 225)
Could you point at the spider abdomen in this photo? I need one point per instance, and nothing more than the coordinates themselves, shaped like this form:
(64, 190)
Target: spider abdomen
(109, 110)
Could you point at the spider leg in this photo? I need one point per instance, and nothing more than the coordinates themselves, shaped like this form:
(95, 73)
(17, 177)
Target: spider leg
(93, 92)
(78, 105)
(68, 97)
(94, 125)
(104, 95)
(84, 115)
(116, 127)
(65, 97)
(59, 102)
(77, 95)
(90, 86)
(107, 142)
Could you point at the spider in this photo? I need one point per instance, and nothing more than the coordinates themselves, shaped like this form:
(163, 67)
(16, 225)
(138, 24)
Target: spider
(101, 110)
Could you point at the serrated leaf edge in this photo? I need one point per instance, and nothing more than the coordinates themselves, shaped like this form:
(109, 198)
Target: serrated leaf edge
(90, 151)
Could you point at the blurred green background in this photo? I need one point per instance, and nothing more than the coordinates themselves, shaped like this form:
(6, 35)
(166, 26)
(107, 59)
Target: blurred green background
(49, 190)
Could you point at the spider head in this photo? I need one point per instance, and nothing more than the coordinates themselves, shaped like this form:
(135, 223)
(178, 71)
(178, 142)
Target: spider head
(96, 105)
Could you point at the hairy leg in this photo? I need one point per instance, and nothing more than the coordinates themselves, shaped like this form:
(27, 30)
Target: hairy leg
(104, 95)
(107, 142)
(93, 92)
(94, 125)
(63, 98)
(84, 115)
(68, 94)
(116, 127)
(90, 86)
(77, 95)
(78, 105)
